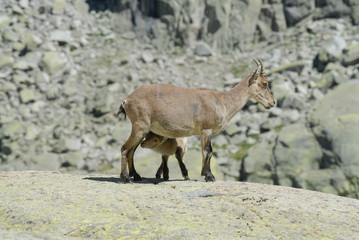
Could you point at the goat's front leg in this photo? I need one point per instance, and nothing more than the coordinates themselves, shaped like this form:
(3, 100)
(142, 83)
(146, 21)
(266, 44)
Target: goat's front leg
(206, 155)
(163, 168)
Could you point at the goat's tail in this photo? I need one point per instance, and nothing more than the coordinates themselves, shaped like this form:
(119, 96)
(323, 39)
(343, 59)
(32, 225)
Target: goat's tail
(121, 111)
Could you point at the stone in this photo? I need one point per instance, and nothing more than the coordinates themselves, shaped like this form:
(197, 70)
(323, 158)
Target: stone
(342, 100)
(296, 151)
(32, 41)
(32, 131)
(296, 66)
(351, 57)
(58, 7)
(74, 159)
(202, 49)
(63, 36)
(317, 180)
(296, 10)
(147, 57)
(4, 21)
(10, 36)
(27, 95)
(103, 102)
(52, 62)
(330, 51)
(66, 144)
(46, 161)
(34, 198)
(6, 61)
(258, 159)
(11, 129)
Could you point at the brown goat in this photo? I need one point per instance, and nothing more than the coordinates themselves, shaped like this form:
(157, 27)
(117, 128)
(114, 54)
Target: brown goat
(175, 112)
(166, 147)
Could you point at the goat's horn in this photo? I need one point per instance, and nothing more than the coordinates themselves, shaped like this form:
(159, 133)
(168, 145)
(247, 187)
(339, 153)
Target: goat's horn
(256, 61)
(262, 66)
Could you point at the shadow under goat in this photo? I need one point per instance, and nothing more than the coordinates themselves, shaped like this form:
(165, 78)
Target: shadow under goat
(167, 147)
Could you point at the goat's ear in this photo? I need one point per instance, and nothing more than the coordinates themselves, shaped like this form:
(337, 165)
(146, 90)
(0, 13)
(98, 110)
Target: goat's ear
(254, 77)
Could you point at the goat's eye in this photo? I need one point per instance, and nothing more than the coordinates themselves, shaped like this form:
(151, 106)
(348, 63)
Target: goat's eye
(264, 84)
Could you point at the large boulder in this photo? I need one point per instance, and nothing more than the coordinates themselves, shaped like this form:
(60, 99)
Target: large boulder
(98, 207)
(296, 151)
(296, 10)
(335, 123)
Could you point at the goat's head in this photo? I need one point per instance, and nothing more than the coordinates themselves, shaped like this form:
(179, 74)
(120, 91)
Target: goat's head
(258, 86)
(152, 140)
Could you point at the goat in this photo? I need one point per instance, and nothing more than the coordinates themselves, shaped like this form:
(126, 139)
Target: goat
(173, 112)
(167, 147)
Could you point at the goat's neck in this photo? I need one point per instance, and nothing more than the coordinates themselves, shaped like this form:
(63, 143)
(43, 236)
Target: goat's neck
(236, 98)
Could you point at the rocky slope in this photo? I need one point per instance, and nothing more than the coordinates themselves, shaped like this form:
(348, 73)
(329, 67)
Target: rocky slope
(66, 65)
(38, 205)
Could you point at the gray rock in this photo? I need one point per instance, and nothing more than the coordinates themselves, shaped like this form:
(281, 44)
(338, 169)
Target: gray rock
(11, 129)
(296, 10)
(330, 51)
(10, 36)
(202, 49)
(46, 161)
(58, 7)
(52, 62)
(32, 41)
(63, 36)
(27, 95)
(296, 151)
(351, 57)
(259, 159)
(342, 100)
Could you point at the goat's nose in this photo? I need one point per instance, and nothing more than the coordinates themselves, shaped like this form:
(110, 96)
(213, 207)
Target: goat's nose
(273, 102)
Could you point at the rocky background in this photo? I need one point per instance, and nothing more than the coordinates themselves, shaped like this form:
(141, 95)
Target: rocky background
(65, 66)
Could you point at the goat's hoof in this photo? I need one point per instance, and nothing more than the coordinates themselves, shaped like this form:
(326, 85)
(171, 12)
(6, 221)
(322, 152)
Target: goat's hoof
(166, 178)
(158, 176)
(127, 180)
(137, 177)
(187, 178)
(209, 179)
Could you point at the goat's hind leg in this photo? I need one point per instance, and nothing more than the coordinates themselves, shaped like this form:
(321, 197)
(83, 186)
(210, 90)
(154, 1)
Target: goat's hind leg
(206, 155)
(179, 155)
(128, 150)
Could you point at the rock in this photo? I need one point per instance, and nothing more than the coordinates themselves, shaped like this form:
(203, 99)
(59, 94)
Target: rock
(351, 57)
(296, 10)
(340, 101)
(147, 57)
(103, 102)
(330, 51)
(11, 129)
(332, 8)
(27, 95)
(46, 161)
(296, 66)
(10, 36)
(74, 159)
(58, 7)
(202, 49)
(318, 180)
(67, 144)
(258, 160)
(296, 151)
(34, 199)
(52, 62)
(32, 41)
(62, 36)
